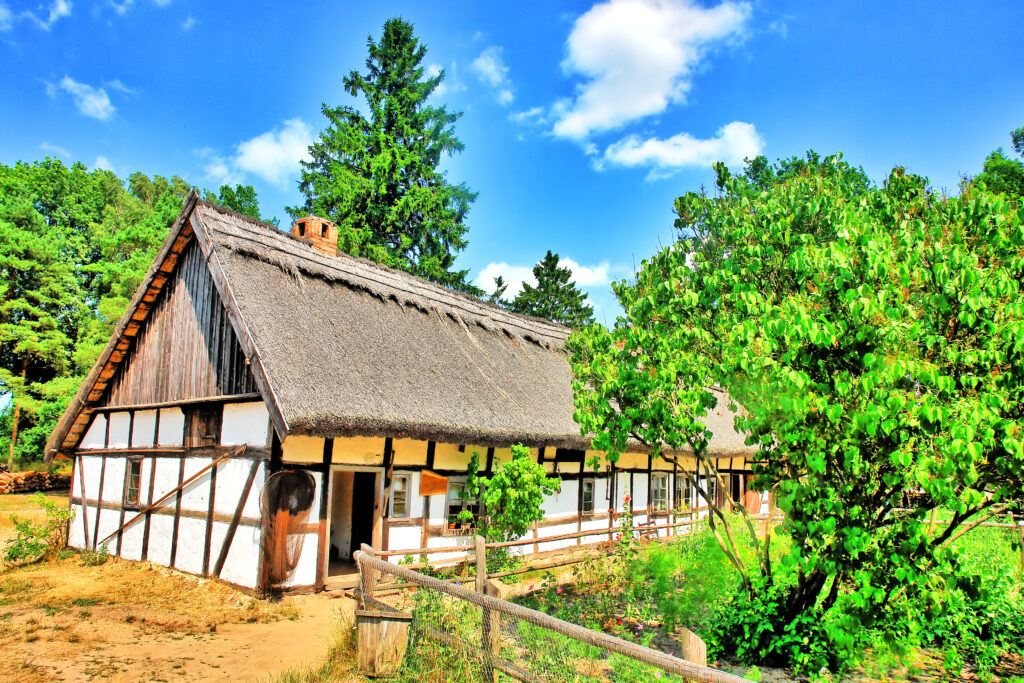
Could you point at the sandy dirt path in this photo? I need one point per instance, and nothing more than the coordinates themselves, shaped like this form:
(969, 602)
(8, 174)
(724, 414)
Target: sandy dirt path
(118, 645)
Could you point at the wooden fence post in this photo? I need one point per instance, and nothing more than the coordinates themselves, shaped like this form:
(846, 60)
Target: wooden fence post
(367, 574)
(489, 627)
(1021, 528)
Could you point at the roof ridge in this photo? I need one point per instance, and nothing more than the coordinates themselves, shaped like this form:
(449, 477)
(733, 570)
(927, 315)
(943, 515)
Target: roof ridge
(418, 285)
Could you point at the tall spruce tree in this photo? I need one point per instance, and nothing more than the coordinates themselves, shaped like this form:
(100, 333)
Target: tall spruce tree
(556, 297)
(376, 175)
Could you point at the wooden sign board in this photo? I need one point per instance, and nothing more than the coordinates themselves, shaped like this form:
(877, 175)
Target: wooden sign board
(432, 484)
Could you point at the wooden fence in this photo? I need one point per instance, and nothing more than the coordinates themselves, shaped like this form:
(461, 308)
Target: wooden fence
(502, 644)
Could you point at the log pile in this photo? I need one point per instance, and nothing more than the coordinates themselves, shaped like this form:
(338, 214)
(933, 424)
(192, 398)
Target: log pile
(28, 482)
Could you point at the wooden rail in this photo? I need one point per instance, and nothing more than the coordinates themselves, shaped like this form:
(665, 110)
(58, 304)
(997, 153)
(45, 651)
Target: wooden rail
(370, 565)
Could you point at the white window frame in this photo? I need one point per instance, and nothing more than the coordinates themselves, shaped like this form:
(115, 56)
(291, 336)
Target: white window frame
(661, 477)
(126, 502)
(583, 496)
(466, 529)
(683, 492)
(407, 478)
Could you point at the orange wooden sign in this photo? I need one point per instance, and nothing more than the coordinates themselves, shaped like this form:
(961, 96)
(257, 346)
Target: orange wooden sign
(432, 484)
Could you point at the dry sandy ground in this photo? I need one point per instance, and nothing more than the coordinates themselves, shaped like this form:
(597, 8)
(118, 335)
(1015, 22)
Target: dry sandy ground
(119, 644)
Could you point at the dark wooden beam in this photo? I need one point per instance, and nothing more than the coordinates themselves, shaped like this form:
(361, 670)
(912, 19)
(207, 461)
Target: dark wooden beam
(177, 513)
(85, 510)
(209, 520)
(233, 525)
(99, 501)
(232, 398)
(149, 501)
(325, 488)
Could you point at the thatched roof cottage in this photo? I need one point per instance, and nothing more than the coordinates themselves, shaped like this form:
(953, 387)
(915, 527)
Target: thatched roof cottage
(266, 404)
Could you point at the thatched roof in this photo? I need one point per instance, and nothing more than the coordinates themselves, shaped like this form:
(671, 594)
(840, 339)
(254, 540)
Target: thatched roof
(349, 347)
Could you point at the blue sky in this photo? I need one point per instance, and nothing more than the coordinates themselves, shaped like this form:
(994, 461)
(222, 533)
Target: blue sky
(582, 121)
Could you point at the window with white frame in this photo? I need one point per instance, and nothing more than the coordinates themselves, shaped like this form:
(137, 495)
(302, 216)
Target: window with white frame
(132, 481)
(659, 492)
(587, 498)
(711, 488)
(463, 509)
(400, 496)
(684, 492)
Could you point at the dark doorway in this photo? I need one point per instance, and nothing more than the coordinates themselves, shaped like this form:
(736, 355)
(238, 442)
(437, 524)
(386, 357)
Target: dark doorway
(364, 492)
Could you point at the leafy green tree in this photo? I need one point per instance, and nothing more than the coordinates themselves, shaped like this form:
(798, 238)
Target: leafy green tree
(556, 297)
(74, 246)
(512, 497)
(1002, 173)
(376, 175)
(240, 198)
(40, 299)
(874, 340)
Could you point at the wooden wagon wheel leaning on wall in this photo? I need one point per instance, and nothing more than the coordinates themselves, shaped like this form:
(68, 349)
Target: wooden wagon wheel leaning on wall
(284, 504)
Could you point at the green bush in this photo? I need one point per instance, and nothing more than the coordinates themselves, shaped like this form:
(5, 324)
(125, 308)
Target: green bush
(33, 541)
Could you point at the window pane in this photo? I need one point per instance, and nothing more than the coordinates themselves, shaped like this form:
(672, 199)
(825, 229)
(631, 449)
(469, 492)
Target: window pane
(399, 497)
(659, 491)
(588, 495)
(131, 494)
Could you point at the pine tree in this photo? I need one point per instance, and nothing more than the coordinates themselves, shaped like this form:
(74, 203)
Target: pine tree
(40, 299)
(556, 297)
(377, 177)
(497, 297)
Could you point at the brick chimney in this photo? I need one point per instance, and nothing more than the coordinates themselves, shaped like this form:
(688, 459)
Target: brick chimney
(318, 233)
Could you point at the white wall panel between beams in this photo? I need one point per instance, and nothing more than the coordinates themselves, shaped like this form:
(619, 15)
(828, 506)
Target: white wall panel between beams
(144, 429)
(196, 496)
(172, 427)
(119, 427)
(96, 437)
(245, 423)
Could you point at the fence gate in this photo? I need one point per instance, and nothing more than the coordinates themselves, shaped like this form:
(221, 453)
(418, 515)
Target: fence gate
(491, 639)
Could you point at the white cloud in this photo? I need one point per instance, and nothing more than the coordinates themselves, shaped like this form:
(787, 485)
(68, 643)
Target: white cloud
(162, 3)
(273, 156)
(733, 142)
(103, 162)
(55, 149)
(116, 84)
(6, 18)
(584, 276)
(451, 82)
(491, 70)
(637, 57)
(90, 100)
(587, 276)
(122, 7)
(529, 117)
(189, 23)
(779, 26)
(58, 10)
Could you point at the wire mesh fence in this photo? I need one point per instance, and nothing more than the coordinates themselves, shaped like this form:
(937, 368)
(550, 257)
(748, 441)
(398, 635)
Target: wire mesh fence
(466, 633)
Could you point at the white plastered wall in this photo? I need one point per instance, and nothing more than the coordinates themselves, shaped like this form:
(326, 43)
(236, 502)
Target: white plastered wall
(242, 562)
(245, 423)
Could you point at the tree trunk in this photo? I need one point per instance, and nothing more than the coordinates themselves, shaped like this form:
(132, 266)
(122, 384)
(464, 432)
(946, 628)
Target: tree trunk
(17, 415)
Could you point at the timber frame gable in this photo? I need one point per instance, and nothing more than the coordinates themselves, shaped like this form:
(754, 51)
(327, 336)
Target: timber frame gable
(89, 399)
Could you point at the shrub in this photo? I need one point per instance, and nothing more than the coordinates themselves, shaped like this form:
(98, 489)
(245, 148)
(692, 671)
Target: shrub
(33, 541)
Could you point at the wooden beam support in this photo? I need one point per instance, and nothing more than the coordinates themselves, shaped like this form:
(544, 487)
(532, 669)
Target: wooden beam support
(99, 501)
(149, 499)
(209, 520)
(233, 526)
(177, 512)
(322, 557)
(85, 509)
